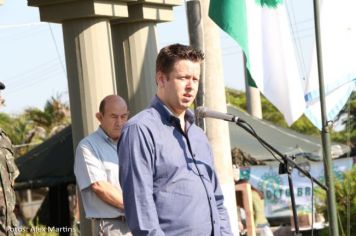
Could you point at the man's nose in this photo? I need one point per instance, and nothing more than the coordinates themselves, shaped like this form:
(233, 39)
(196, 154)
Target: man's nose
(120, 120)
(189, 83)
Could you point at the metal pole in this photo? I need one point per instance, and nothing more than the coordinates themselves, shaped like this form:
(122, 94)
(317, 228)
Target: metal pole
(294, 208)
(325, 135)
(253, 96)
(196, 40)
(286, 168)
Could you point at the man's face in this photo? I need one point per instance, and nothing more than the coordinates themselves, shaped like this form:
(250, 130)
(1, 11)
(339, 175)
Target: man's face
(114, 117)
(179, 88)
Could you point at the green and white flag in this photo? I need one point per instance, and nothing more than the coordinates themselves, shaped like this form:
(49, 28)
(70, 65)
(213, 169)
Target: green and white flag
(338, 46)
(261, 28)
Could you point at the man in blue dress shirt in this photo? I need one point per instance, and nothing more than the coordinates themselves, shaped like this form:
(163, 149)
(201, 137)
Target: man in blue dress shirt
(166, 163)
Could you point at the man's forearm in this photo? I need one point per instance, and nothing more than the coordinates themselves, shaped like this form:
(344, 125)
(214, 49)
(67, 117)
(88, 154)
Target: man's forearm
(108, 193)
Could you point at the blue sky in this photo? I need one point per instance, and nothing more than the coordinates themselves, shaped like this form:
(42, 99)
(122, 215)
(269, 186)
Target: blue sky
(32, 54)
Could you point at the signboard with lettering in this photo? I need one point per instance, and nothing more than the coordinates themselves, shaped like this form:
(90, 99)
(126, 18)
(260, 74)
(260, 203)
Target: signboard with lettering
(276, 188)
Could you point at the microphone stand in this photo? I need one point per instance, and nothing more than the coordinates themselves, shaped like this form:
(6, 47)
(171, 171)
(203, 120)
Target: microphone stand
(285, 167)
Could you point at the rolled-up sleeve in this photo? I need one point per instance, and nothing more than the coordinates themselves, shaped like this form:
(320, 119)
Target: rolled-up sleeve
(135, 151)
(87, 166)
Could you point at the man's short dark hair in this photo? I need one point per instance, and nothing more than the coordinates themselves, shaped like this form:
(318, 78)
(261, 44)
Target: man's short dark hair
(172, 53)
(102, 106)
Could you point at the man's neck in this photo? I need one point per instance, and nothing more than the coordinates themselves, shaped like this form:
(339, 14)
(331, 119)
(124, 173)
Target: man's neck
(111, 139)
(182, 123)
(179, 115)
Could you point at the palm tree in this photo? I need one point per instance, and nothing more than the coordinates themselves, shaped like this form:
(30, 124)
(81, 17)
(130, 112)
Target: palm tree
(18, 131)
(54, 117)
(34, 125)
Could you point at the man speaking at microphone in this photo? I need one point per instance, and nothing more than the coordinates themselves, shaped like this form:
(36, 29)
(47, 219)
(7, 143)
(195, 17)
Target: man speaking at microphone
(166, 164)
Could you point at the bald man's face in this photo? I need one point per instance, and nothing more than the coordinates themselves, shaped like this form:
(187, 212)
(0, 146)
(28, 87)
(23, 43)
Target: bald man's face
(114, 117)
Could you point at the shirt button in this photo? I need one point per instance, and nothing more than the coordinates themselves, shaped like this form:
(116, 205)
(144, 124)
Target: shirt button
(209, 198)
(214, 222)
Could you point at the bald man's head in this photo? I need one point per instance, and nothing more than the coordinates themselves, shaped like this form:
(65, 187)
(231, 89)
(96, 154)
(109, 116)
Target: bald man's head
(112, 115)
(108, 99)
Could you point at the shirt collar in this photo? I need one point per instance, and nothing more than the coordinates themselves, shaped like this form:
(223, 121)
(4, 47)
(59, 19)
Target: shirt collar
(167, 114)
(102, 134)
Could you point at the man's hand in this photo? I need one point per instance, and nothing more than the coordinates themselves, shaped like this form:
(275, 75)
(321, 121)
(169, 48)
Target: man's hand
(108, 193)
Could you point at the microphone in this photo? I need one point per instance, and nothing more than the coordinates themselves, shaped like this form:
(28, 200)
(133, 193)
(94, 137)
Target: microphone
(203, 112)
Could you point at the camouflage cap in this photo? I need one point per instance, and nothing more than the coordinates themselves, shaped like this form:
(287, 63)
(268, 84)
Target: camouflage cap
(2, 86)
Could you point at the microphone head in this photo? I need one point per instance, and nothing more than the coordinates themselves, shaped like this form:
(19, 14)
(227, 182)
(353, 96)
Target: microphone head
(200, 112)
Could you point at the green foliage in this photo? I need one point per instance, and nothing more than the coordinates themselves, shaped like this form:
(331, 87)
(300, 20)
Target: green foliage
(347, 117)
(345, 194)
(17, 128)
(236, 98)
(54, 116)
(5, 118)
(270, 112)
(303, 125)
(36, 229)
(35, 125)
(345, 136)
(350, 106)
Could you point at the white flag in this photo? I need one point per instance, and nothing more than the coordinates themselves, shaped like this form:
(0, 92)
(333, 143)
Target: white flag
(338, 41)
(262, 30)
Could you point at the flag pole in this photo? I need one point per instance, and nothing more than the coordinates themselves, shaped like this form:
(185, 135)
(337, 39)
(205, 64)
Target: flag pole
(196, 39)
(325, 135)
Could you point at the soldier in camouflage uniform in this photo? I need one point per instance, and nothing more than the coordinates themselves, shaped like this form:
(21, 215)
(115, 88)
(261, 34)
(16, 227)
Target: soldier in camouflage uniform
(8, 174)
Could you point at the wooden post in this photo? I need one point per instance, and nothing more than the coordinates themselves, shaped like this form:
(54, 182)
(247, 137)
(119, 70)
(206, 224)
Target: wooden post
(246, 193)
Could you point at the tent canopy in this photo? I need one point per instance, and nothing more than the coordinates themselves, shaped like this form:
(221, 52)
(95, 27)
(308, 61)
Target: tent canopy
(284, 140)
(48, 164)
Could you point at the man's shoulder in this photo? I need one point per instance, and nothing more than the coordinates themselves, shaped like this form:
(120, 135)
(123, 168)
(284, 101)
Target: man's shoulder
(146, 117)
(5, 141)
(94, 137)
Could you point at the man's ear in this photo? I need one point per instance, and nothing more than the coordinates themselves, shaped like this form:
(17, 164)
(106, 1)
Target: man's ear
(99, 116)
(160, 79)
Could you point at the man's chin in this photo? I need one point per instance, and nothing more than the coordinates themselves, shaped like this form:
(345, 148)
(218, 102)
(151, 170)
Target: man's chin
(115, 136)
(183, 107)
(186, 103)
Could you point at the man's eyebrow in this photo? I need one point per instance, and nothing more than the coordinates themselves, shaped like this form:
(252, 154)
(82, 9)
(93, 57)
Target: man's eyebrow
(121, 114)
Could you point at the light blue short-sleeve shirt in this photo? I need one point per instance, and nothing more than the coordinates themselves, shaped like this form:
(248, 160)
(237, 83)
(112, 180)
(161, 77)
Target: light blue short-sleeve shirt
(96, 160)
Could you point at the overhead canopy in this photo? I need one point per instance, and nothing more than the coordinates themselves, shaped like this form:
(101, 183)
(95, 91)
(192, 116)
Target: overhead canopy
(48, 164)
(284, 140)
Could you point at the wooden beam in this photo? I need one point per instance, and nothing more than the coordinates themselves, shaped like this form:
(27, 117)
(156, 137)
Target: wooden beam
(246, 193)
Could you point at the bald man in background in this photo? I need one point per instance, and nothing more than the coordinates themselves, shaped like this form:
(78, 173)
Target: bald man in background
(96, 168)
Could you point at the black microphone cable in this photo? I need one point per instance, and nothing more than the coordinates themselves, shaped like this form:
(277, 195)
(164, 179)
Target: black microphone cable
(247, 127)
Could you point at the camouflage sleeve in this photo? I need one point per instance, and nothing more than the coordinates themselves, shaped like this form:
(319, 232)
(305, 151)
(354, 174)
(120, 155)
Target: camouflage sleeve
(9, 173)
